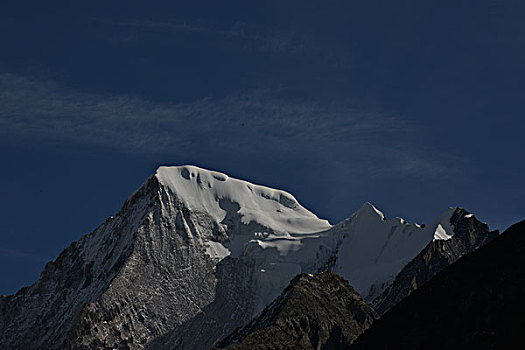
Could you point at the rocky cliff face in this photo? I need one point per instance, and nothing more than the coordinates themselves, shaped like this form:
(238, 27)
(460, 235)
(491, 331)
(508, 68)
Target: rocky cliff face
(476, 303)
(130, 280)
(469, 235)
(320, 311)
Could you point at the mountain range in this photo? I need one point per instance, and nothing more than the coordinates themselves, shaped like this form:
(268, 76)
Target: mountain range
(196, 259)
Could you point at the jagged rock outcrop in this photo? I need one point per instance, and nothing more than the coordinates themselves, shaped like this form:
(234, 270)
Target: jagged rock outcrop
(469, 235)
(476, 303)
(320, 311)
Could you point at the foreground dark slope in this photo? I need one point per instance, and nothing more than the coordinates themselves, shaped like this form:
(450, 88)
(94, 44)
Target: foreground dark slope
(478, 302)
(320, 311)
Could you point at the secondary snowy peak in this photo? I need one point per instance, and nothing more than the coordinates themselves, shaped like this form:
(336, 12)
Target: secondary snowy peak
(375, 249)
(467, 234)
(206, 191)
(367, 210)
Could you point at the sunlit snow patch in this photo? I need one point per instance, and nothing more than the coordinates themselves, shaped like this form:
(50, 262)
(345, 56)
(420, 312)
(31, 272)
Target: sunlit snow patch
(441, 234)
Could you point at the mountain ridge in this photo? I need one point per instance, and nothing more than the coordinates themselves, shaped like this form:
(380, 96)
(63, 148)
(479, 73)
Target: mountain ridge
(173, 260)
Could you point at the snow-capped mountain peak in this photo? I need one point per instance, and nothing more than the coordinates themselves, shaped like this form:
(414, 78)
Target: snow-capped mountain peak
(246, 212)
(207, 191)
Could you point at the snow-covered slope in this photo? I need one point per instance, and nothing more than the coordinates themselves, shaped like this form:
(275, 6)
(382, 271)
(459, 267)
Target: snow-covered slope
(277, 213)
(468, 235)
(374, 250)
(203, 190)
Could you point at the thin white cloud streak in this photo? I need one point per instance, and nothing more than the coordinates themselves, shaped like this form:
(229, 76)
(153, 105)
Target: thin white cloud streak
(247, 35)
(262, 39)
(17, 254)
(255, 124)
(185, 26)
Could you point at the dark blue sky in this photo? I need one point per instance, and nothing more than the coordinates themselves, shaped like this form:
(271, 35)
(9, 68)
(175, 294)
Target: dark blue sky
(414, 106)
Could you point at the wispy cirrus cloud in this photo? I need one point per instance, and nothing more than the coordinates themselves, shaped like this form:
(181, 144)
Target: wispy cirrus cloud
(260, 122)
(247, 36)
(258, 38)
(174, 25)
(240, 35)
(18, 254)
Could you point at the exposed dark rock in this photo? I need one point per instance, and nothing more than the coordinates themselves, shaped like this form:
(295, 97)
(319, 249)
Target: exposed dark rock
(320, 311)
(476, 303)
